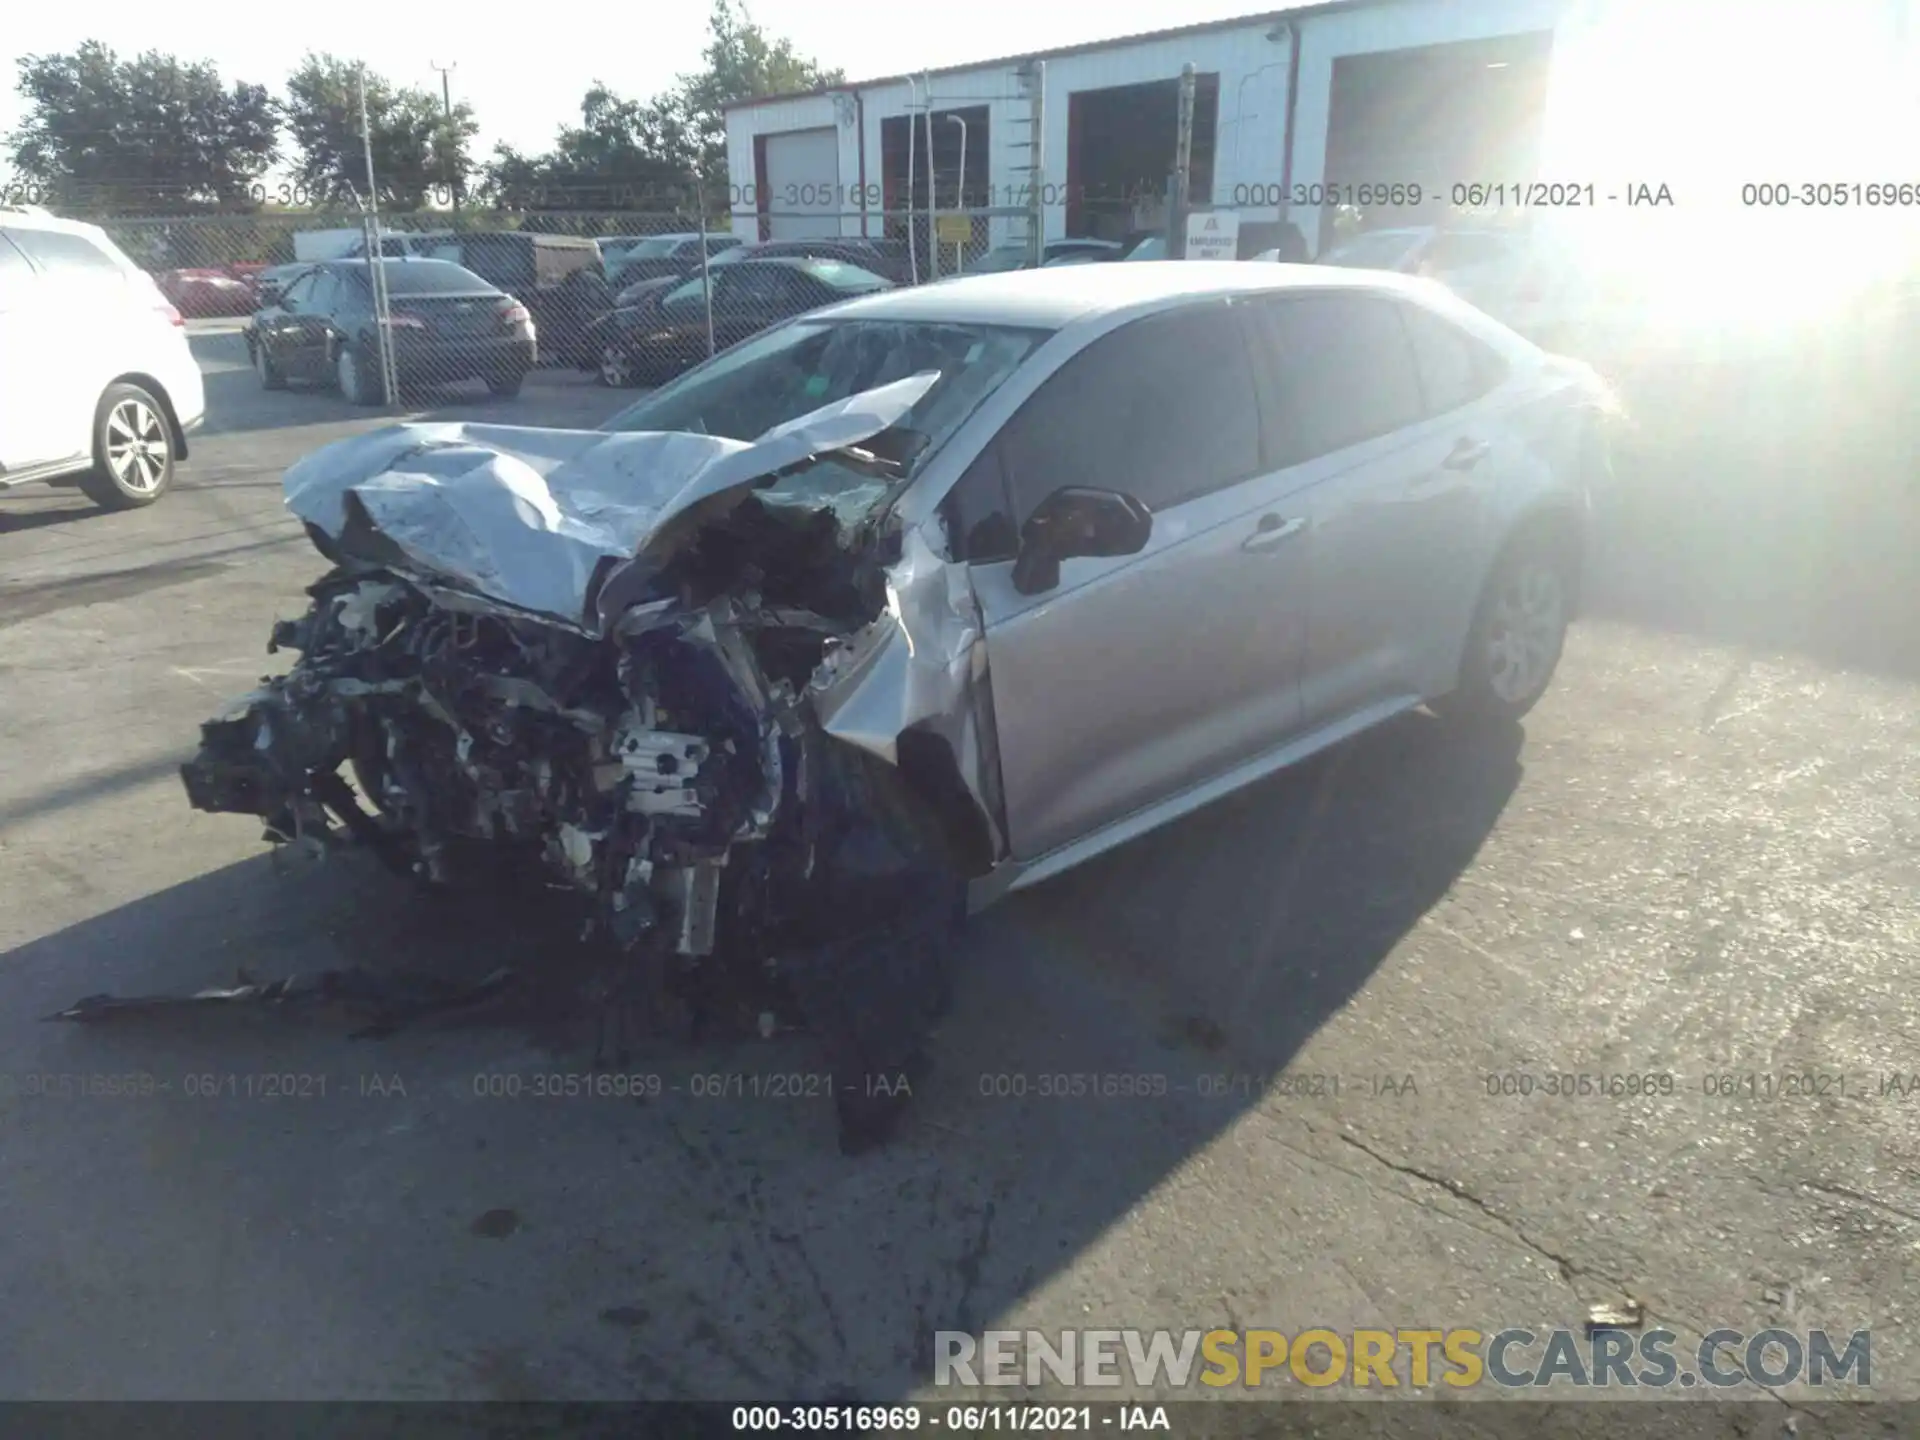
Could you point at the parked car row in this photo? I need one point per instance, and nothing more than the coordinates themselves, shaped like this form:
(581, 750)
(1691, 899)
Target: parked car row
(634, 310)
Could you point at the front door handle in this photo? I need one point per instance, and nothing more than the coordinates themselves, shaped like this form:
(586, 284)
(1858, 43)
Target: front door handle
(1272, 531)
(1467, 454)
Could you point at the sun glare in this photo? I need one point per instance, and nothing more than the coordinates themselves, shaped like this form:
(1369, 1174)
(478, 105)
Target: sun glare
(1782, 132)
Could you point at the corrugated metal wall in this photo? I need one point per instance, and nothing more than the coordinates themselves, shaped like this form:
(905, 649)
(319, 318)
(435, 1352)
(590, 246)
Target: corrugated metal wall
(1249, 159)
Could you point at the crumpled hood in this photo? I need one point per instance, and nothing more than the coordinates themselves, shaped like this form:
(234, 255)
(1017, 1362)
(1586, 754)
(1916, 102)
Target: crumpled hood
(526, 516)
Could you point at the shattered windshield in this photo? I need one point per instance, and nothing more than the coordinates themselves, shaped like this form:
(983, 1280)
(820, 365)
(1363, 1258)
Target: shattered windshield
(799, 367)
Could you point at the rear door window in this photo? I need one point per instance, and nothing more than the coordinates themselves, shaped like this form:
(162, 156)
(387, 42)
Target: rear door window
(1336, 370)
(1455, 369)
(73, 265)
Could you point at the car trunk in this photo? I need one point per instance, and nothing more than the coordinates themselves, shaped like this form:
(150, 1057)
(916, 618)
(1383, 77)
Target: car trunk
(453, 317)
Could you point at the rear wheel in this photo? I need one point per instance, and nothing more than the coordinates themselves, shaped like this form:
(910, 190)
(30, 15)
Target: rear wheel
(132, 450)
(1519, 630)
(267, 370)
(506, 382)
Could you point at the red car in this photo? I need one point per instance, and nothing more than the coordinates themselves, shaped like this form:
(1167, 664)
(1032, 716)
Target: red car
(203, 293)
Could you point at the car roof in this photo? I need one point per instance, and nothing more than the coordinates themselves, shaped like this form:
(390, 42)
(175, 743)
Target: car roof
(1053, 299)
(785, 262)
(34, 217)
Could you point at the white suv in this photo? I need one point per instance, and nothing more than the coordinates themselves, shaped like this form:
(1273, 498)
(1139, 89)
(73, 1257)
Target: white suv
(98, 387)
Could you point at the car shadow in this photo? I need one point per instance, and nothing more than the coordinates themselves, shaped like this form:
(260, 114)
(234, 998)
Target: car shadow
(33, 507)
(1769, 498)
(1216, 947)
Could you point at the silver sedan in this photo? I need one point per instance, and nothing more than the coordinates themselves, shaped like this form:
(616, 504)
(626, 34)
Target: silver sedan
(1215, 518)
(936, 590)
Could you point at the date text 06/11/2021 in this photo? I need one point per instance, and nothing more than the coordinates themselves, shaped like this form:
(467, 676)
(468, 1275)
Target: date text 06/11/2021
(273, 1085)
(958, 1419)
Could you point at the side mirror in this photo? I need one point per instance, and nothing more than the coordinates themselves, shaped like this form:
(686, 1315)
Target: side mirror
(1077, 521)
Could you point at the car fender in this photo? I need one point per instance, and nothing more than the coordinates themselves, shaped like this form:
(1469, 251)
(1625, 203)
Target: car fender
(913, 689)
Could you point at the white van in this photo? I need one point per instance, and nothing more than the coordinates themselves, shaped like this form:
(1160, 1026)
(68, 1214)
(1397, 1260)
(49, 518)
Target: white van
(98, 387)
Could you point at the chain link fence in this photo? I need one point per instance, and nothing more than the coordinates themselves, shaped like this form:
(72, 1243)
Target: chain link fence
(629, 297)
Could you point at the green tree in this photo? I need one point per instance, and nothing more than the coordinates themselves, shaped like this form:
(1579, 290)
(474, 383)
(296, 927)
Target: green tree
(418, 150)
(741, 62)
(145, 135)
(624, 154)
(657, 154)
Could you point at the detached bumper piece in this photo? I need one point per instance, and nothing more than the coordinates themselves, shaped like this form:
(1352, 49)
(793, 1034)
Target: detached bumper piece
(383, 1001)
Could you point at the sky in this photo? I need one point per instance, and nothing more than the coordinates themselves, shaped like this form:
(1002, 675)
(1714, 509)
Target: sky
(525, 82)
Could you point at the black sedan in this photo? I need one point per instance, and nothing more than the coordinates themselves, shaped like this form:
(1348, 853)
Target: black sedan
(665, 330)
(447, 324)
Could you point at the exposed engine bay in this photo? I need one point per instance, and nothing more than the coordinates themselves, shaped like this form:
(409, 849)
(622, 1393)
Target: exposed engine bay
(666, 752)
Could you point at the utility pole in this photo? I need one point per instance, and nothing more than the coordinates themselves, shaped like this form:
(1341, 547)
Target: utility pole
(933, 177)
(446, 102)
(376, 260)
(1178, 189)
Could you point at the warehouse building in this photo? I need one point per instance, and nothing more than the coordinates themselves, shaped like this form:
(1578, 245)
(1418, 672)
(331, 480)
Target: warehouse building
(1291, 107)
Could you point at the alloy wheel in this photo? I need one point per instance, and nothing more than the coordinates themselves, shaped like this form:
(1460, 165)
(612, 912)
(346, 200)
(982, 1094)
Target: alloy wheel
(1528, 624)
(137, 446)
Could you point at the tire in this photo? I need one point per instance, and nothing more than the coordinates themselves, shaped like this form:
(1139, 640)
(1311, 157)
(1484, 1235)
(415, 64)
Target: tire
(350, 372)
(506, 383)
(1518, 633)
(269, 373)
(132, 450)
(615, 367)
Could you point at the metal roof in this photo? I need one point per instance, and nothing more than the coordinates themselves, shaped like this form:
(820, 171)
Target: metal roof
(1206, 27)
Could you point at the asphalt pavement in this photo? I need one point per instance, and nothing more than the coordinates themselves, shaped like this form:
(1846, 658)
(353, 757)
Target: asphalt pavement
(1699, 862)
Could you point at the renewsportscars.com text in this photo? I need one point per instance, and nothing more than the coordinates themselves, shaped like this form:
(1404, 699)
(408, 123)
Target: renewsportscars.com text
(1457, 1358)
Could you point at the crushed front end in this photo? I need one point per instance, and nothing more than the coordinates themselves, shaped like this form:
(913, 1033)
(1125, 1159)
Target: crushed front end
(661, 757)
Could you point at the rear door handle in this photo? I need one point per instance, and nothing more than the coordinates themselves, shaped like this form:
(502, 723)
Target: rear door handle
(1272, 532)
(1467, 454)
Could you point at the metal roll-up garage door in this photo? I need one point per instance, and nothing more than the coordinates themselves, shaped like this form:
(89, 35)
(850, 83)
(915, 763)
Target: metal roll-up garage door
(803, 184)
